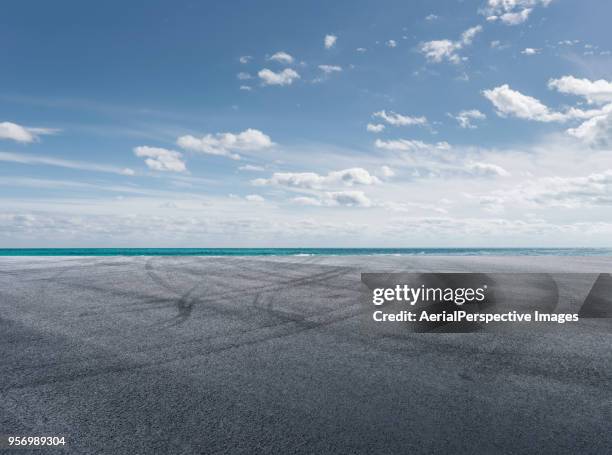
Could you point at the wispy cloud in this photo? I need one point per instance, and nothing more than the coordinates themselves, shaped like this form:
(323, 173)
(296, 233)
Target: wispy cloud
(410, 145)
(395, 119)
(375, 127)
(254, 198)
(251, 168)
(281, 57)
(23, 134)
(387, 171)
(511, 12)
(466, 118)
(328, 69)
(437, 51)
(49, 161)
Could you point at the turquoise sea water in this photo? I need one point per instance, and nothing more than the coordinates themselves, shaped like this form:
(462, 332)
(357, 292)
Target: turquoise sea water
(304, 251)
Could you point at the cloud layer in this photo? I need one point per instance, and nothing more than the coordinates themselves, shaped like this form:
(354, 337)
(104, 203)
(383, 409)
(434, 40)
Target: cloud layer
(312, 180)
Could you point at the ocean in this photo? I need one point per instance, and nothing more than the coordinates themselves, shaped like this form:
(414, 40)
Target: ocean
(304, 251)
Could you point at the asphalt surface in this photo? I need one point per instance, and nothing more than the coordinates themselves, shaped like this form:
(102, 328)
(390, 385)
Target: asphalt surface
(272, 355)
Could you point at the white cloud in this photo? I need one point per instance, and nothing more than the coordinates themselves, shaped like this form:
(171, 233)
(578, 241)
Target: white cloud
(307, 200)
(328, 69)
(353, 176)
(410, 145)
(361, 49)
(431, 17)
(254, 198)
(284, 77)
(246, 88)
(512, 103)
(486, 169)
(23, 134)
(187, 227)
(438, 50)
(396, 207)
(409, 207)
(387, 172)
(375, 128)
(312, 180)
(499, 229)
(160, 159)
(511, 12)
(569, 192)
(568, 42)
(244, 76)
(516, 18)
(251, 168)
(498, 45)
(596, 131)
(492, 204)
(245, 59)
(348, 199)
(225, 144)
(441, 161)
(391, 43)
(327, 188)
(282, 57)
(599, 91)
(330, 41)
(530, 51)
(395, 119)
(465, 118)
(468, 36)
(335, 199)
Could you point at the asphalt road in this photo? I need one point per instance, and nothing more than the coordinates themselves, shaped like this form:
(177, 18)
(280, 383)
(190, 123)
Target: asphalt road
(271, 355)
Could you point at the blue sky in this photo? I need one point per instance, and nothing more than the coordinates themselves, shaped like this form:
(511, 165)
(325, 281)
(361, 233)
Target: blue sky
(448, 123)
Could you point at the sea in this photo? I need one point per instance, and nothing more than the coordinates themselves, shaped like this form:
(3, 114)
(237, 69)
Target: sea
(305, 251)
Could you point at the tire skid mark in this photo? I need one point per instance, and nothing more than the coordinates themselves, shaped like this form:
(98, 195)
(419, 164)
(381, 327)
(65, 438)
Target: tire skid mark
(291, 323)
(204, 351)
(317, 278)
(186, 301)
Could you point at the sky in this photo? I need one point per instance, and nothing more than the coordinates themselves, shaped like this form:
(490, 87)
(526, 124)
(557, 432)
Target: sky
(474, 123)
